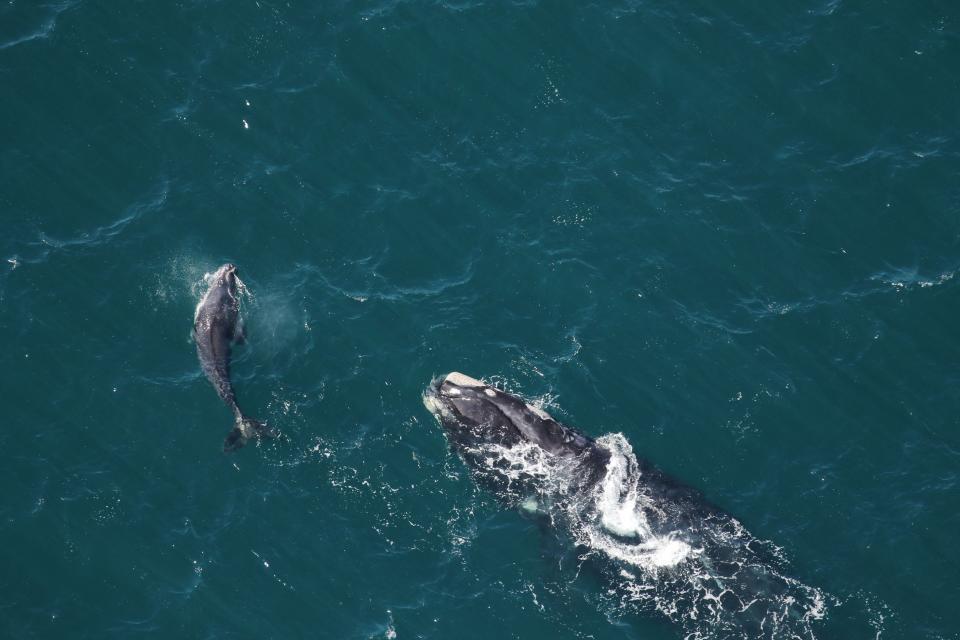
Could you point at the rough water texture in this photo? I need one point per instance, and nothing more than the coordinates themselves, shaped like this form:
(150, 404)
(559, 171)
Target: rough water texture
(729, 233)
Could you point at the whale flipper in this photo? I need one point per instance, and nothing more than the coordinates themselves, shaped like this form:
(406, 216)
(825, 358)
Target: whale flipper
(245, 429)
(240, 333)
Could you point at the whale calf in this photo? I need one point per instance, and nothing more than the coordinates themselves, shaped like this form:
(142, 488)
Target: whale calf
(666, 549)
(216, 327)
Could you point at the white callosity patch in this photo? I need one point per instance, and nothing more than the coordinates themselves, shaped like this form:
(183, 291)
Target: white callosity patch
(462, 380)
(434, 406)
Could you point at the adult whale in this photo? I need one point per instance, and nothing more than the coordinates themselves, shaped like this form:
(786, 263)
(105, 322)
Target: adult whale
(665, 547)
(480, 419)
(216, 327)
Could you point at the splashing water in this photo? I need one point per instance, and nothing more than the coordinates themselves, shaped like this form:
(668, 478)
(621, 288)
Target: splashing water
(664, 547)
(620, 527)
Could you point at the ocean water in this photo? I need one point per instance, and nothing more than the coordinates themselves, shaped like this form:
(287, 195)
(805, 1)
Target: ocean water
(727, 234)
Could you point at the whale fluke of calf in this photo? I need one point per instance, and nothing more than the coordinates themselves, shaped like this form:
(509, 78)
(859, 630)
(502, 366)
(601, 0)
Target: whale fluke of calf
(245, 429)
(216, 327)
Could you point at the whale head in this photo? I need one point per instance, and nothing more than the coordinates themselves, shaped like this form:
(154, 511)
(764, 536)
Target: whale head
(473, 412)
(226, 276)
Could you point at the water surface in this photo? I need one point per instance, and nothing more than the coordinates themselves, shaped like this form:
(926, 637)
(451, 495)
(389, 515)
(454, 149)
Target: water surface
(731, 234)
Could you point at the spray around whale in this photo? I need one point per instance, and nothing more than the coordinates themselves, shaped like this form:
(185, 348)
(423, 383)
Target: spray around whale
(663, 546)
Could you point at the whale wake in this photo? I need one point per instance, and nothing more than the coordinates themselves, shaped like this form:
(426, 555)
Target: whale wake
(665, 550)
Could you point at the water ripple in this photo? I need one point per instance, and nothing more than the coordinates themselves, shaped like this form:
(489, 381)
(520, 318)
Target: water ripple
(104, 234)
(45, 30)
(390, 292)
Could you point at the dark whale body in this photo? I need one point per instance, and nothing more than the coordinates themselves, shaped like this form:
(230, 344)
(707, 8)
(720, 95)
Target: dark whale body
(216, 327)
(475, 414)
(665, 547)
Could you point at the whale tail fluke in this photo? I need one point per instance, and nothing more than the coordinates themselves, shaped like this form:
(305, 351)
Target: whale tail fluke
(245, 429)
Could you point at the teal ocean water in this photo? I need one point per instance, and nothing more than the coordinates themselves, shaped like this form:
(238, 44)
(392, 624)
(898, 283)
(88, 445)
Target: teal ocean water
(728, 231)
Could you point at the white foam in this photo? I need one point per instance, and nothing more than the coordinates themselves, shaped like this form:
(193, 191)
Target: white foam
(672, 572)
(620, 504)
(618, 497)
(530, 505)
(609, 519)
(668, 552)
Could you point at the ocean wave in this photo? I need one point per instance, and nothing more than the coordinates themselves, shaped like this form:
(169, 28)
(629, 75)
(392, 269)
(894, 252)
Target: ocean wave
(389, 292)
(906, 279)
(46, 28)
(47, 244)
(884, 282)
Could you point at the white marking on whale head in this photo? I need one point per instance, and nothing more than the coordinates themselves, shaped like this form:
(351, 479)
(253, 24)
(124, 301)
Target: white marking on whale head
(435, 406)
(225, 270)
(462, 380)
